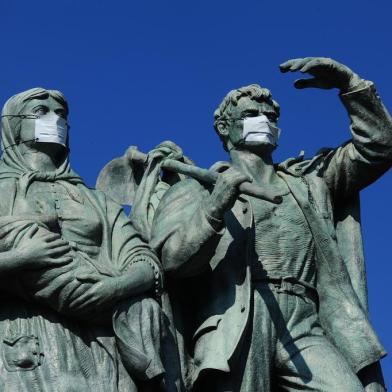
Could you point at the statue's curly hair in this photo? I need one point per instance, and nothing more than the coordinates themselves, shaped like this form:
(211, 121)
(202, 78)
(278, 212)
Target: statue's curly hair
(253, 91)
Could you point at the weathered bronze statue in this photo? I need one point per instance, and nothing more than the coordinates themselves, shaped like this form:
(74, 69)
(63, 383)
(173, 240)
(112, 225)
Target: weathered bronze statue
(78, 311)
(271, 296)
(265, 286)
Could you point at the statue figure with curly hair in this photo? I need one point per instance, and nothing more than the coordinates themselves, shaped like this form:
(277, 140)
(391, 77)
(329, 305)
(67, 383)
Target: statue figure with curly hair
(271, 296)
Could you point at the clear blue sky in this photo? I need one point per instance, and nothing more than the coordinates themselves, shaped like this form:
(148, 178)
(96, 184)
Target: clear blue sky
(139, 72)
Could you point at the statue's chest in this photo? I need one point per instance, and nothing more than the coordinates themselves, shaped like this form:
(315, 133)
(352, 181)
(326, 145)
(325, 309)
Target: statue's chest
(268, 214)
(280, 224)
(75, 217)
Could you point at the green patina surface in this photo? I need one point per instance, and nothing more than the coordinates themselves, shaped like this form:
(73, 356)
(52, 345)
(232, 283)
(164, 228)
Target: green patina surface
(214, 284)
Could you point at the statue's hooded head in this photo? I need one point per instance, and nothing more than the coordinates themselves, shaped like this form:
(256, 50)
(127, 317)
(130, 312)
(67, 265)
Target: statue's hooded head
(231, 119)
(18, 122)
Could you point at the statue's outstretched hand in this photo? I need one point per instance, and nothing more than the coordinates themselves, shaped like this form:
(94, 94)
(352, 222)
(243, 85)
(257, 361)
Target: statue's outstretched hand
(327, 73)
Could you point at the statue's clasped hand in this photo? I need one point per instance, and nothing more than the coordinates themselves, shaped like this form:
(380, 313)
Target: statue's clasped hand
(327, 73)
(225, 193)
(166, 150)
(103, 293)
(47, 250)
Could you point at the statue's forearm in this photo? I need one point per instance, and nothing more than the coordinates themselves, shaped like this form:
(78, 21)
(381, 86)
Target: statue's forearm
(192, 245)
(368, 155)
(371, 124)
(138, 278)
(10, 261)
(356, 83)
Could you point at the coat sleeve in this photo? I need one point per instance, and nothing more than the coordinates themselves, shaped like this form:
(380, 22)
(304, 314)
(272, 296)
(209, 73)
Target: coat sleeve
(126, 247)
(368, 155)
(183, 235)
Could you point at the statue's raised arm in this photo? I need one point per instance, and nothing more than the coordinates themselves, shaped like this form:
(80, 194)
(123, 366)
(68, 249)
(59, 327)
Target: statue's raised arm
(367, 156)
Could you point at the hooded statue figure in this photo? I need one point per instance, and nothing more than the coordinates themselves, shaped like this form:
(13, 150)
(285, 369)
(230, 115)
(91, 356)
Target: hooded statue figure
(91, 320)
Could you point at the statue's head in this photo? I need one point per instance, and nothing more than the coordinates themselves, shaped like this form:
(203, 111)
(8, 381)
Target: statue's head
(247, 118)
(35, 110)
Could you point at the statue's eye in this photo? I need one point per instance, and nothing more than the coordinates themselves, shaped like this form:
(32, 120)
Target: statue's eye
(271, 117)
(250, 113)
(61, 113)
(40, 110)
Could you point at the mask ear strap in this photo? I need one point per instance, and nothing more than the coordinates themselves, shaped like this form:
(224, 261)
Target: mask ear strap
(23, 116)
(20, 142)
(29, 116)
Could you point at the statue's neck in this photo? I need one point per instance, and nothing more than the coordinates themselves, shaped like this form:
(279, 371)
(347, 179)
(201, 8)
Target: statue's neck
(45, 159)
(259, 167)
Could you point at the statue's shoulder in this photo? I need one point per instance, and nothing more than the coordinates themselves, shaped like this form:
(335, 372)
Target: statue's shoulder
(300, 166)
(190, 190)
(100, 197)
(97, 193)
(184, 191)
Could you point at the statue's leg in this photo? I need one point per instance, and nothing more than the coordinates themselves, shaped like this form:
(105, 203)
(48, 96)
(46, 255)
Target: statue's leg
(146, 347)
(305, 359)
(314, 364)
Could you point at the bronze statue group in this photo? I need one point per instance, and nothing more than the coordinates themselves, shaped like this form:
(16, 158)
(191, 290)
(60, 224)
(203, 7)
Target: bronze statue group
(246, 277)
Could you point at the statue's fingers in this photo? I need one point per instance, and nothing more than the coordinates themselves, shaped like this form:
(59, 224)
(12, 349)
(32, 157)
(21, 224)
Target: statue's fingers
(88, 303)
(172, 153)
(51, 237)
(59, 250)
(89, 278)
(285, 67)
(32, 231)
(155, 154)
(62, 260)
(294, 64)
(308, 83)
(171, 146)
(316, 63)
(175, 155)
(58, 245)
(52, 242)
(239, 178)
(78, 302)
(163, 149)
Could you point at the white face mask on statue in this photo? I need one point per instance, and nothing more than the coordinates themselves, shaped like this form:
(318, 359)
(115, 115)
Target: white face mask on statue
(259, 129)
(51, 128)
